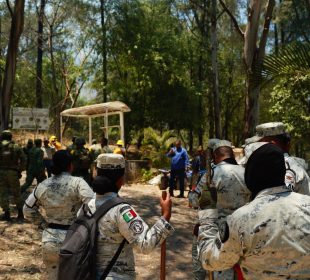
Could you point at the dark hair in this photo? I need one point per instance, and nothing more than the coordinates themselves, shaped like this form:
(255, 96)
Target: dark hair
(102, 185)
(113, 174)
(38, 142)
(224, 151)
(104, 141)
(61, 162)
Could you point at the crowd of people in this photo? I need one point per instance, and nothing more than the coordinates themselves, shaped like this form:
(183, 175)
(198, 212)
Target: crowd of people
(253, 214)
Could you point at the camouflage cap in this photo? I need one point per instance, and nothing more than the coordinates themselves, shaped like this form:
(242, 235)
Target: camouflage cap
(110, 161)
(222, 143)
(270, 129)
(212, 142)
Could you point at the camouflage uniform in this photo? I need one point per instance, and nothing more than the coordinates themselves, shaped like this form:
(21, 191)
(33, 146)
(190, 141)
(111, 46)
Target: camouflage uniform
(35, 168)
(81, 161)
(123, 222)
(296, 176)
(12, 162)
(268, 244)
(56, 200)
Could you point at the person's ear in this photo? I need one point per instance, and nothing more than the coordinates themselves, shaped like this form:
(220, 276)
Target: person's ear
(120, 182)
(70, 168)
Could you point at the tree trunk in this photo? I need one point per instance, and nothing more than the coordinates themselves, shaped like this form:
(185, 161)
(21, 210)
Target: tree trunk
(17, 25)
(104, 51)
(215, 88)
(39, 102)
(55, 98)
(253, 59)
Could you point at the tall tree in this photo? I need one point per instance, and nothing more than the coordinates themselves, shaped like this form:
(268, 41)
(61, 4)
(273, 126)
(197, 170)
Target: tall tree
(39, 103)
(6, 91)
(215, 74)
(104, 50)
(253, 55)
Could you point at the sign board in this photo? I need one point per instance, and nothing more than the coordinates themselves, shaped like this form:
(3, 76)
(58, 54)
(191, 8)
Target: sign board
(30, 118)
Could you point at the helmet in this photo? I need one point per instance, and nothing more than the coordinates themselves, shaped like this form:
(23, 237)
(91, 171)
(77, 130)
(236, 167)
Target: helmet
(53, 138)
(80, 141)
(6, 135)
(120, 143)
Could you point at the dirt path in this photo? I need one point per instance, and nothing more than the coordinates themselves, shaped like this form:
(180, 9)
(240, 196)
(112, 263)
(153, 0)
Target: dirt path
(20, 246)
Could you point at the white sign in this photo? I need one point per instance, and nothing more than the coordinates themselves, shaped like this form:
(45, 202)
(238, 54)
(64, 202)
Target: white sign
(30, 118)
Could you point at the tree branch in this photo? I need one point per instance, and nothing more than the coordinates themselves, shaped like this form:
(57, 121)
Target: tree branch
(9, 7)
(234, 20)
(264, 37)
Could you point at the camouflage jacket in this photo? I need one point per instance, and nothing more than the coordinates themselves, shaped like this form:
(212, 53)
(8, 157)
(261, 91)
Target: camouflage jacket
(57, 200)
(232, 193)
(269, 237)
(296, 176)
(80, 159)
(11, 156)
(121, 222)
(35, 160)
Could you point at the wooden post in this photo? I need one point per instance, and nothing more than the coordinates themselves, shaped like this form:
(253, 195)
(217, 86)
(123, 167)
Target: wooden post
(121, 122)
(90, 131)
(163, 250)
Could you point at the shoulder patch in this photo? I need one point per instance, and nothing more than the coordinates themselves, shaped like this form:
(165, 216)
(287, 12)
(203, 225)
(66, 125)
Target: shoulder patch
(129, 215)
(224, 231)
(124, 208)
(136, 227)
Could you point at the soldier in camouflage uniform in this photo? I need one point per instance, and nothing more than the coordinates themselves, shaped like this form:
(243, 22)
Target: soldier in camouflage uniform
(268, 237)
(122, 221)
(56, 200)
(35, 168)
(81, 159)
(198, 272)
(232, 193)
(12, 162)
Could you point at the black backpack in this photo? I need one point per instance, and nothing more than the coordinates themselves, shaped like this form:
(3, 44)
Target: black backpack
(77, 257)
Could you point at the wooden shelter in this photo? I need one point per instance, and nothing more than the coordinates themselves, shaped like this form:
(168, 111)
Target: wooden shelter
(99, 110)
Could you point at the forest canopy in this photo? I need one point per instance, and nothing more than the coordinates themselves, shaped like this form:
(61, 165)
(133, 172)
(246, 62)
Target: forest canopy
(200, 68)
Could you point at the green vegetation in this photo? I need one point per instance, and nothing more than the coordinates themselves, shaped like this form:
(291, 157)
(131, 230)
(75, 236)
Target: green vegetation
(158, 57)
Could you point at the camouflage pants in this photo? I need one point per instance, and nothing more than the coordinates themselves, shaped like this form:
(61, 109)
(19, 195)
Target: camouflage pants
(9, 185)
(51, 243)
(198, 272)
(39, 176)
(50, 251)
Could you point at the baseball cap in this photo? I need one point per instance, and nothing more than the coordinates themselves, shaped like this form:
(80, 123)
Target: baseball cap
(110, 161)
(269, 129)
(222, 143)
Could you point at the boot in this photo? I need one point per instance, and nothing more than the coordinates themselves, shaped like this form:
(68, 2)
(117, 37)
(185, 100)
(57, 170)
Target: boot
(20, 216)
(6, 216)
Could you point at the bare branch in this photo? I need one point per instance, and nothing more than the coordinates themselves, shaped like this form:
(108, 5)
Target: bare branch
(234, 20)
(9, 7)
(264, 37)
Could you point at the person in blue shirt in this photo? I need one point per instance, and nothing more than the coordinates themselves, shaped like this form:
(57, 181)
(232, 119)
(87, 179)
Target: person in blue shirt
(179, 162)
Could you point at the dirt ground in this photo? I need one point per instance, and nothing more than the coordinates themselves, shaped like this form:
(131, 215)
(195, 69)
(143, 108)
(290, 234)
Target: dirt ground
(20, 246)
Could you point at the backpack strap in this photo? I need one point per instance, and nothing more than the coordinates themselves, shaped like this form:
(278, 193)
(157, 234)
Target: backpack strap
(114, 259)
(106, 206)
(102, 210)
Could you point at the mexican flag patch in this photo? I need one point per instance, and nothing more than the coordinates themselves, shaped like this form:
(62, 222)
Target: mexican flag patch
(129, 215)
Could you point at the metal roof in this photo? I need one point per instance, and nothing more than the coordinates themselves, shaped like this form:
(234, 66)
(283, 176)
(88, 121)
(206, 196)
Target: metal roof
(101, 109)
